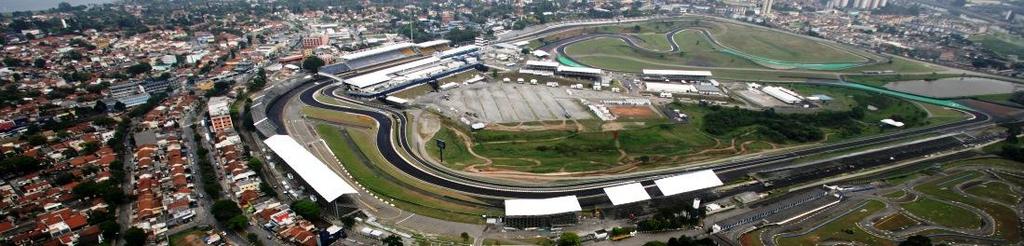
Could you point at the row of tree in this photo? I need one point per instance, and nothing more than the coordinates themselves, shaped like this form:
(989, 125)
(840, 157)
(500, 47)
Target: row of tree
(780, 128)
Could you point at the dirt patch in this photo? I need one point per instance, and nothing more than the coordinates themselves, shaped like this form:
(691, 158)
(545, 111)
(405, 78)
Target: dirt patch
(633, 112)
(535, 126)
(192, 239)
(618, 126)
(429, 124)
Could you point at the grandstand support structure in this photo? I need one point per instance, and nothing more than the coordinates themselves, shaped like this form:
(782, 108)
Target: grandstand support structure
(332, 76)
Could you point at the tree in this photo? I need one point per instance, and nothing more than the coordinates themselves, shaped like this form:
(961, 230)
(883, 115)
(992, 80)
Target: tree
(224, 210)
(348, 221)
(306, 208)
(917, 240)
(464, 236)
(1011, 133)
(393, 240)
(110, 229)
(135, 236)
(12, 62)
(39, 63)
(568, 239)
(238, 222)
(312, 64)
(460, 35)
(140, 68)
(19, 164)
(254, 164)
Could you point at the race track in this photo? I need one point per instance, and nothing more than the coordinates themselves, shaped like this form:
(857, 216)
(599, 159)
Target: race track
(392, 142)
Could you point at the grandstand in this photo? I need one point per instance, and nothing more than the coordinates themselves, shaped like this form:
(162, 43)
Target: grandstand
(433, 46)
(460, 51)
(675, 75)
(367, 59)
(781, 210)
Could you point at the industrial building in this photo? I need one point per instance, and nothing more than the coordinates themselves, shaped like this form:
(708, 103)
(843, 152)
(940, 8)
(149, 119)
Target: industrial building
(782, 94)
(554, 68)
(129, 93)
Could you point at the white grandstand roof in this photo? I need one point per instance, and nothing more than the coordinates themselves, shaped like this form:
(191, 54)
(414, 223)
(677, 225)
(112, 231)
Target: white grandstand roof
(547, 206)
(374, 51)
(688, 182)
(325, 182)
(541, 63)
(579, 69)
(383, 75)
(435, 42)
(661, 72)
(459, 50)
(369, 79)
(624, 194)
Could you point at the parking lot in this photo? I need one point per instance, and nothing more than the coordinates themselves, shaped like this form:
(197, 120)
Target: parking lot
(511, 102)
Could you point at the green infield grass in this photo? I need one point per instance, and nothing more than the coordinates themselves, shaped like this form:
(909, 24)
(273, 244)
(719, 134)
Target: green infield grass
(996, 191)
(943, 214)
(895, 222)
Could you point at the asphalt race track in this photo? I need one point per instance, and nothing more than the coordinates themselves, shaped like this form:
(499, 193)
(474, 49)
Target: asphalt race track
(591, 192)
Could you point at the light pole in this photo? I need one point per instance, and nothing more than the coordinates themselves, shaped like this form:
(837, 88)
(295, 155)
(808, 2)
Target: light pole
(440, 148)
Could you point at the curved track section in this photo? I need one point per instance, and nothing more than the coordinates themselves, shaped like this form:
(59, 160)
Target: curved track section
(558, 48)
(391, 147)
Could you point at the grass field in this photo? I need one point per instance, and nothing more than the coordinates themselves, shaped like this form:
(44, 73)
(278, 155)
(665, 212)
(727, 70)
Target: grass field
(943, 214)
(1002, 44)
(996, 191)
(842, 229)
(654, 41)
(881, 80)
(659, 142)
(745, 52)
(895, 222)
(1007, 224)
(456, 155)
(591, 149)
(887, 107)
(778, 45)
(409, 194)
(896, 64)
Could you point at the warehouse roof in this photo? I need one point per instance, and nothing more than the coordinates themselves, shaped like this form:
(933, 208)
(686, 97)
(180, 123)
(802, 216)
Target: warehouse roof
(624, 194)
(687, 182)
(662, 72)
(547, 206)
(324, 181)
